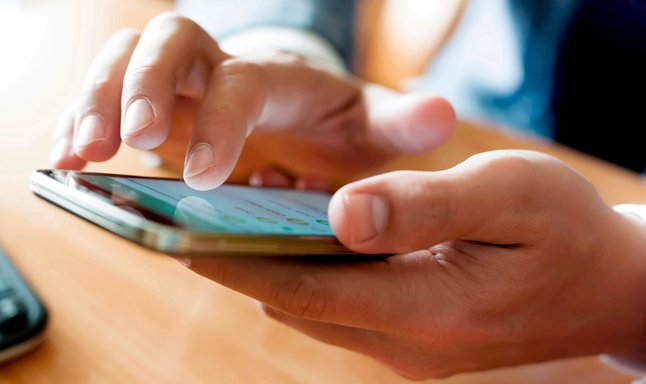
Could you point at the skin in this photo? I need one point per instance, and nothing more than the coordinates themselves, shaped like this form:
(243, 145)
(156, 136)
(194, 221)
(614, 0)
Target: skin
(141, 83)
(508, 258)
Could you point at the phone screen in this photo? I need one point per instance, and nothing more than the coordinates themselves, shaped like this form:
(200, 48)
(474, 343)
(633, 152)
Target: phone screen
(228, 208)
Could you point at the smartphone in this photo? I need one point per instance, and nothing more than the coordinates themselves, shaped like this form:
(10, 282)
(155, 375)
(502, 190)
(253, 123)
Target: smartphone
(22, 314)
(168, 216)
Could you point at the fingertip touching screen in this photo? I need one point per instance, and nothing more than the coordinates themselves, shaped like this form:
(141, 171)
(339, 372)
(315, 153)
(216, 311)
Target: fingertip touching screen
(226, 209)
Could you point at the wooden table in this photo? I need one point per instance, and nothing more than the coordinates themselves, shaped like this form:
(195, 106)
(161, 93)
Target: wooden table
(125, 315)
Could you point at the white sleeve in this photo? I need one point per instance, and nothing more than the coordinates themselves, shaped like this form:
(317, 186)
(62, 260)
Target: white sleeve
(302, 42)
(635, 367)
(638, 210)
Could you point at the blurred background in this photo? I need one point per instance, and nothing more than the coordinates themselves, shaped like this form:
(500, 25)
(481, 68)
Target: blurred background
(45, 49)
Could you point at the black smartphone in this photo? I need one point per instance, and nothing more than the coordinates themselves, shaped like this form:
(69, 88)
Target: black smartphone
(167, 215)
(22, 314)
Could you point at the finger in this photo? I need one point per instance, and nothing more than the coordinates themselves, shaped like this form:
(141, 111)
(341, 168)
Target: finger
(371, 117)
(488, 198)
(313, 183)
(363, 294)
(354, 339)
(411, 123)
(98, 112)
(391, 350)
(271, 177)
(172, 54)
(400, 354)
(193, 86)
(233, 102)
(62, 155)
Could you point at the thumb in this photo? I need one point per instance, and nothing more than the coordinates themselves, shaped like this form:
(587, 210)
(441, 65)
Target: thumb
(411, 123)
(488, 198)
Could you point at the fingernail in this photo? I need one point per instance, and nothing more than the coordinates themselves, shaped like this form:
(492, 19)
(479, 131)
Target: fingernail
(60, 150)
(139, 115)
(200, 159)
(312, 183)
(90, 131)
(368, 216)
(255, 180)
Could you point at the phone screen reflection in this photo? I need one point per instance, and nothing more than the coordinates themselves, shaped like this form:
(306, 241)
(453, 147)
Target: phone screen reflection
(228, 208)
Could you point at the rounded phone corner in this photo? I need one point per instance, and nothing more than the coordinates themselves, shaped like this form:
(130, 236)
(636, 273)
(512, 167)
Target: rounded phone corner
(20, 342)
(23, 348)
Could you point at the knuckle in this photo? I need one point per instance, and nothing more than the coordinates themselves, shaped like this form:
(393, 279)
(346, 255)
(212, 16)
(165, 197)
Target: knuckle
(302, 297)
(518, 167)
(173, 22)
(523, 174)
(138, 74)
(94, 95)
(238, 67)
(169, 18)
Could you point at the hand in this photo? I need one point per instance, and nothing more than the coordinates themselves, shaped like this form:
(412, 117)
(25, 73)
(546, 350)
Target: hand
(508, 258)
(174, 72)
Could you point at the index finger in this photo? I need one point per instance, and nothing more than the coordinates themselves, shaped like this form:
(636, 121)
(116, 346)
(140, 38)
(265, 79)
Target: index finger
(168, 50)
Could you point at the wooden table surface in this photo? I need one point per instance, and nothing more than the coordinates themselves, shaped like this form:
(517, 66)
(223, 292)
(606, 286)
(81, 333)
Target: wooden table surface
(121, 314)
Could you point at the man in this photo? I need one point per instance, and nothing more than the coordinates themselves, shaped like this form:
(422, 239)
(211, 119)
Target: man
(508, 258)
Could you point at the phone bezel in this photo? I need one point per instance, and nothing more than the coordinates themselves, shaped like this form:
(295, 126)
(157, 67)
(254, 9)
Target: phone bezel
(172, 240)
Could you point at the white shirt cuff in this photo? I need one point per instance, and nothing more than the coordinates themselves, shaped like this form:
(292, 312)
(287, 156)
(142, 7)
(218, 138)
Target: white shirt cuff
(634, 367)
(637, 210)
(301, 42)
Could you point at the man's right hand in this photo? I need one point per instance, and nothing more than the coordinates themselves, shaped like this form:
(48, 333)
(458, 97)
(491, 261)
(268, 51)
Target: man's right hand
(139, 81)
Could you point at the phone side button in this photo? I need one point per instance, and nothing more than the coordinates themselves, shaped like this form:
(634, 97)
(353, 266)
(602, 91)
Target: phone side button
(13, 315)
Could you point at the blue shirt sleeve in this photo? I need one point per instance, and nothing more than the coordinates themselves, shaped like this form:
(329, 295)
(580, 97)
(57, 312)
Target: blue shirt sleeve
(331, 19)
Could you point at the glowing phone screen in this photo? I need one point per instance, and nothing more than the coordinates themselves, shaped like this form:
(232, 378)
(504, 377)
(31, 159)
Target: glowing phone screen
(228, 208)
